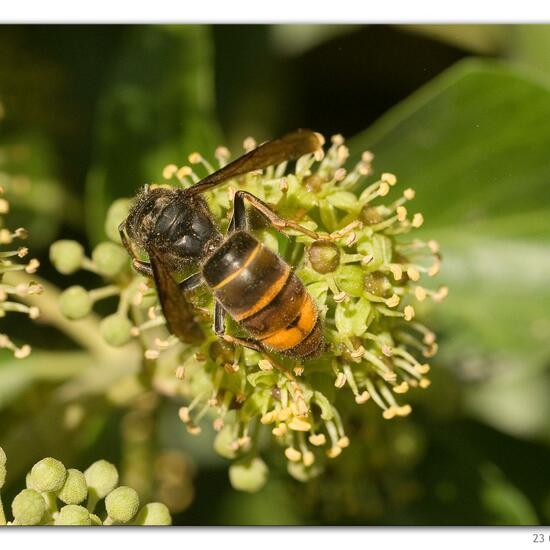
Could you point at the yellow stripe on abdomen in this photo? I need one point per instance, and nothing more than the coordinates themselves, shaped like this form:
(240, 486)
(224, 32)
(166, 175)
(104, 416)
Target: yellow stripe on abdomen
(267, 297)
(237, 272)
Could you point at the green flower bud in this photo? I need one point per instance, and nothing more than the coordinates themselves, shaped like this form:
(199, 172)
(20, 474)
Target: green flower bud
(116, 214)
(223, 440)
(72, 514)
(101, 478)
(28, 507)
(116, 329)
(324, 256)
(301, 472)
(74, 490)
(109, 258)
(48, 475)
(248, 475)
(2, 467)
(66, 256)
(95, 520)
(75, 302)
(122, 504)
(154, 513)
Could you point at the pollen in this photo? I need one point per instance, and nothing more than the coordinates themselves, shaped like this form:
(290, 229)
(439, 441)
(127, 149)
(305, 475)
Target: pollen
(293, 454)
(249, 143)
(335, 451)
(393, 301)
(169, 171)
(340, 380)
(362, 397)
(408, 313)
(183, 413)
(383, 189)
(388, 178)
(343, 442)
(418, 220)
(308, 458)
(280, 430)
(401, 388)
(317, 439)
(194, 158)
(409, 194)
(413, 273)
(299, 425)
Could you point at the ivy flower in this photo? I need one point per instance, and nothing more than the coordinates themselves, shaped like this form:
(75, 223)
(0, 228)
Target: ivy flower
(13, 257)
(366, 280)
(56, 495)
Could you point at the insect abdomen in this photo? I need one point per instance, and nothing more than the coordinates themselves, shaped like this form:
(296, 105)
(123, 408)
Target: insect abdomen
(261, 292)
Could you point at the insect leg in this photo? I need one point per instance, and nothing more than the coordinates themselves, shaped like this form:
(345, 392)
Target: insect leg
(245, 342)
(219, 329)
(143, 268)
(219, 320)
(238, 221)
(191, 282)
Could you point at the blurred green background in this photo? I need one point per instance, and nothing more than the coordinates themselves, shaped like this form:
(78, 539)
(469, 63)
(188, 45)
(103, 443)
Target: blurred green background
(459, 112)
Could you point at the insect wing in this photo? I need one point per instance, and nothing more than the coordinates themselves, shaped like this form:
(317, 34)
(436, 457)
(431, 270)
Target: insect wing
(176, 309)
(290, 146)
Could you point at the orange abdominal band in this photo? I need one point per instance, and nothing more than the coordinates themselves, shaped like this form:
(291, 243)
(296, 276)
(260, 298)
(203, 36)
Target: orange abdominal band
(287, 338)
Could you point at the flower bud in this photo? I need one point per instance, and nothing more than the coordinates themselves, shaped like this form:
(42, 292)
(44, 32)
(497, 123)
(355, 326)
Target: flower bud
(154, 513)
(115, 215)
(101, 478)
(110, 258)
(223, 440)
(95, 520)
(48, 475)
(301, 472)
(248, 475)
(2, 467)
(122, 504)
(116, 329)
(75, 302)
(324, 256)
(74, 490)
(72, 514)
(28, 507)
(66, 256)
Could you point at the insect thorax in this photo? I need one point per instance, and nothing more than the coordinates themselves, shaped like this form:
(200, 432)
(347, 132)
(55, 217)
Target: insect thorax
(180, 227)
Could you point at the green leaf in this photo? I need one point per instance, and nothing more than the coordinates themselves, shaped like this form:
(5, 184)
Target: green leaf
(530, 46)
(157, 109)
(474, 146)
(504, 501)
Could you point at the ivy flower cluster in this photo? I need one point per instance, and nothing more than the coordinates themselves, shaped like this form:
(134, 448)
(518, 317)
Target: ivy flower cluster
(13, 257)
(366, 276)
(55, 495)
